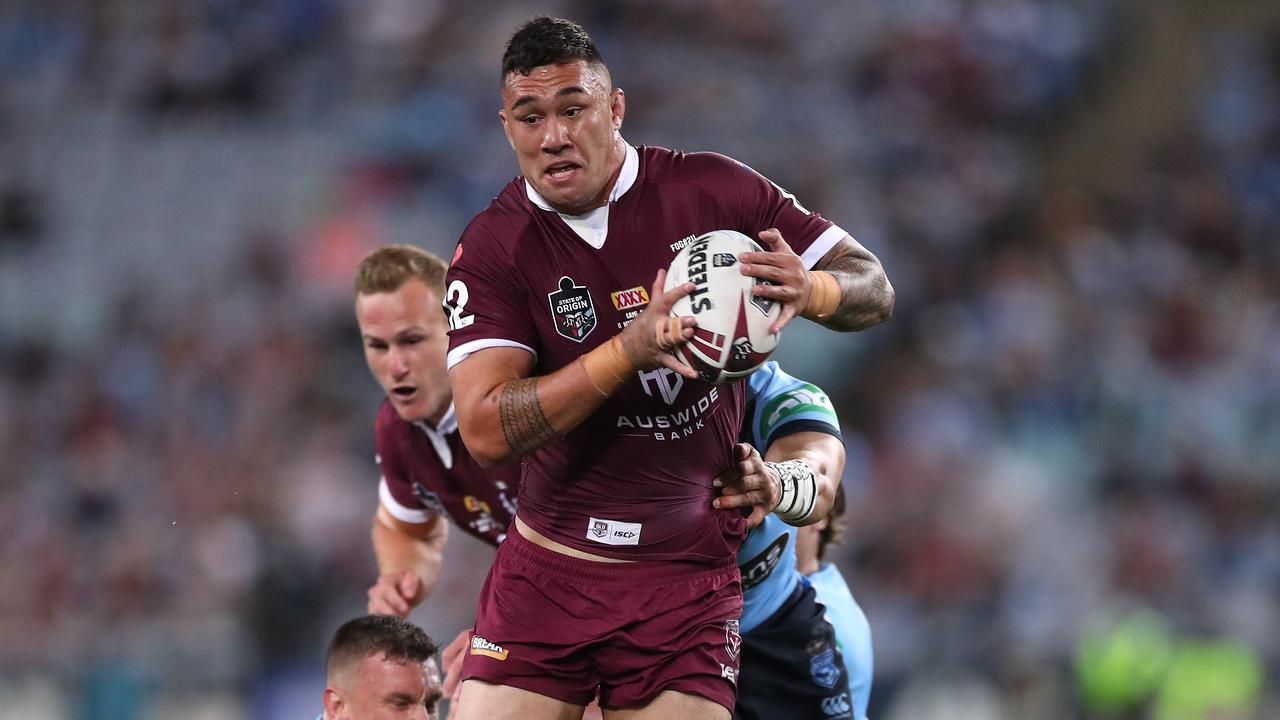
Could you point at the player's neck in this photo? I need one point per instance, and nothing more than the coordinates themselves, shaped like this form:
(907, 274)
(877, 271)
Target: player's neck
(433, 420)
(619, 159)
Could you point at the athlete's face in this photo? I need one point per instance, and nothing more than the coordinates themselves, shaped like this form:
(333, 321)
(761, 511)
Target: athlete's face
(405, 340)
(563, 122)
(385, 689)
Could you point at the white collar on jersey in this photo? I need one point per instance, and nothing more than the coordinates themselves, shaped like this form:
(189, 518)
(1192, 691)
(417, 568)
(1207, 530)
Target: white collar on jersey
(593, 225)
(437, 435)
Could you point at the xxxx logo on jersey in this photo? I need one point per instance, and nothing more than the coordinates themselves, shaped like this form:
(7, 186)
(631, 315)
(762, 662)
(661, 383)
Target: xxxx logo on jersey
(631, 298)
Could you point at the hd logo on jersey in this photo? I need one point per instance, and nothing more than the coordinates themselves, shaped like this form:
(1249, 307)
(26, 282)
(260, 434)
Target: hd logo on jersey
(667, 382)
(572, 311)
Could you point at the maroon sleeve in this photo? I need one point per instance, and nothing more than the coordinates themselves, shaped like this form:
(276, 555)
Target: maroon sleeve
(486, 304)
(763, 205)
(396, 492)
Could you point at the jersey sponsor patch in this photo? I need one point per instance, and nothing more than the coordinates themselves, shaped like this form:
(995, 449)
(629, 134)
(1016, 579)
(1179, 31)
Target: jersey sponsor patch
(665, 383)
(480, 646)
(630, 298)
(755, 570)
(613, 532)
(572, 311)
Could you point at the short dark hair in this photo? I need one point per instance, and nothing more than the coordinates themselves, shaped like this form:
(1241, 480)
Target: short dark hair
(373, 635)
(547, 41)
(833, 533)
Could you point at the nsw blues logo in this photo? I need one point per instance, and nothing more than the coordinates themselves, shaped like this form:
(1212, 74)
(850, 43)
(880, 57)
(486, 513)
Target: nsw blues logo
(572, 311)
(822, 664)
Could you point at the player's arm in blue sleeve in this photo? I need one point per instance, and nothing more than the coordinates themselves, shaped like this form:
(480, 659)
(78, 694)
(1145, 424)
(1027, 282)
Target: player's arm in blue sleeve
(795, 425)
(782, 405)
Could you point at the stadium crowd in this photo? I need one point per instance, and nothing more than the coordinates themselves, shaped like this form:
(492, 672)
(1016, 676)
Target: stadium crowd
(1075, 413)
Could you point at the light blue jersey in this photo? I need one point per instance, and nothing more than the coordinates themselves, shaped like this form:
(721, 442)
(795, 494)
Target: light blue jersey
(853, 632)
(777, 405)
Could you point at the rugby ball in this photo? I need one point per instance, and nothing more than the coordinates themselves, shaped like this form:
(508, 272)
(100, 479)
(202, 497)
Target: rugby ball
(732, 338)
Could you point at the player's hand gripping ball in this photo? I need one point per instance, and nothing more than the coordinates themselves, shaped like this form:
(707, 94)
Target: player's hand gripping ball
(732, 338)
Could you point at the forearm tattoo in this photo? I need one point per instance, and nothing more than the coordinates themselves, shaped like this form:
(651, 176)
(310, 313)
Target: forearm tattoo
(863, 289)
(524, 425)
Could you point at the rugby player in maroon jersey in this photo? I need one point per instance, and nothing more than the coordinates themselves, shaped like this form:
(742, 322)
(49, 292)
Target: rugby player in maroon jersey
(427, 473)
(618, 574)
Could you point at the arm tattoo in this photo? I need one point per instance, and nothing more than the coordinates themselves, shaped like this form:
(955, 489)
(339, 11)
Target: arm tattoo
(866, 297)
(524, 425)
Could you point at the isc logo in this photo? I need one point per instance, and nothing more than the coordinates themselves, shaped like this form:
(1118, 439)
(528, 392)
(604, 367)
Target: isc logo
(613, 532)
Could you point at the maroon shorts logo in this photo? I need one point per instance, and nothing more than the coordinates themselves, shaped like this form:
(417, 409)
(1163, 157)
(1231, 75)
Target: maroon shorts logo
(732, 639)
(572, 311)
(599, 528)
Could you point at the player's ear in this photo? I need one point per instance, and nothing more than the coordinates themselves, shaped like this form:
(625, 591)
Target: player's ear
(333, 704)
(506, 128)
(618, 107)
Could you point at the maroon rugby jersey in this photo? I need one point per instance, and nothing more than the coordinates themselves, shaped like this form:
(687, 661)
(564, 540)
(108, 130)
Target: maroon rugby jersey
(427, 471)
(634, 479)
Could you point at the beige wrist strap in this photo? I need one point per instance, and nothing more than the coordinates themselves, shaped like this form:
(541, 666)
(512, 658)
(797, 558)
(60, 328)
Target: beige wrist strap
(824, 295)
(607, 366)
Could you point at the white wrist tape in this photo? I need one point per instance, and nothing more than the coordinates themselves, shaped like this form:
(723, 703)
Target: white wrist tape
(799, 490)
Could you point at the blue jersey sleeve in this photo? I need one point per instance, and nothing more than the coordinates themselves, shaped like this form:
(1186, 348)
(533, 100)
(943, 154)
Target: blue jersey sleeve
(777, 405)
(781, 405)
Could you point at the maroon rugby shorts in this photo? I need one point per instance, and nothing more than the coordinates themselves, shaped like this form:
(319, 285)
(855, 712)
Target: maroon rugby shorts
(561, 627)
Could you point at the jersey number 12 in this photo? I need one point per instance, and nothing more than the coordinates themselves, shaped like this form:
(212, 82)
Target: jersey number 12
(455, 299)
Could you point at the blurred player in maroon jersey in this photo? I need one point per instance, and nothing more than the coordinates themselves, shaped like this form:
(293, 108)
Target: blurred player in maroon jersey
(426, 471)
(618, 574)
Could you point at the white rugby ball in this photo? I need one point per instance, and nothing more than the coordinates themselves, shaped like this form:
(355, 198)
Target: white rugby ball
(732, 338)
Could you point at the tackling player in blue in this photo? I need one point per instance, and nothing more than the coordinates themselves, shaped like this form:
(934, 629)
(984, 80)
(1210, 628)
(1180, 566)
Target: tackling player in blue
(799, 658)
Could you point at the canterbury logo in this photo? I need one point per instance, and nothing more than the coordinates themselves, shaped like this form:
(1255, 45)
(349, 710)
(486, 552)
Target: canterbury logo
(480, 646)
